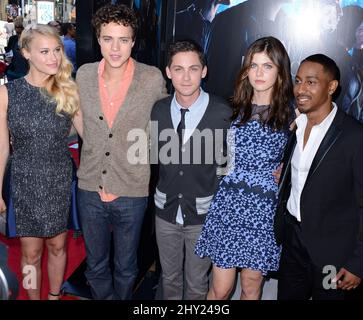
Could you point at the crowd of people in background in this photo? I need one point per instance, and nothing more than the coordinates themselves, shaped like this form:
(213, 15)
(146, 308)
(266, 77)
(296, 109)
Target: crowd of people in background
(15, 64)
(267, 182)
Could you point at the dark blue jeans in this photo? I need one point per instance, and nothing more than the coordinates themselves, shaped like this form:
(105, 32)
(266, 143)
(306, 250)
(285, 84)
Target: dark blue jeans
(123, 217)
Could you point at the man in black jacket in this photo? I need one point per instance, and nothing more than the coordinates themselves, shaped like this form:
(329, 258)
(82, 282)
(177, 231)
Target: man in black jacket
(195, 20)
(320, 214)
(232, 32)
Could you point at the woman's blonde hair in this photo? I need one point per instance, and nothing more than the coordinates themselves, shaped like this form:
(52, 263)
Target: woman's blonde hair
(60, 87)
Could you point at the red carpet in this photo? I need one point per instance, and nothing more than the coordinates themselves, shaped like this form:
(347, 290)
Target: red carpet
(76, 254)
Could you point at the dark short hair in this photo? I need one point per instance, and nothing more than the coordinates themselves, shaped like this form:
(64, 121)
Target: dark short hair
(117, 13)
(185, 46)
(328, 64)
(66, 26)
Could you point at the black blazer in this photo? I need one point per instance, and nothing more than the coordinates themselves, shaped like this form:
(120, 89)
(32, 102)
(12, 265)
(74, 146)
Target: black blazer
(332, 199)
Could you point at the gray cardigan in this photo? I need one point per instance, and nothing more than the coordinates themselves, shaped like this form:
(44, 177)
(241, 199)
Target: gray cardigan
(107, 161)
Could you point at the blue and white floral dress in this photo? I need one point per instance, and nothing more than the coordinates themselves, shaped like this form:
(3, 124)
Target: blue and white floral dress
(238, 231)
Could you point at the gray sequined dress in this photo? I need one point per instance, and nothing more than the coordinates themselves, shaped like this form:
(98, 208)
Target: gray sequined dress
(41, 167)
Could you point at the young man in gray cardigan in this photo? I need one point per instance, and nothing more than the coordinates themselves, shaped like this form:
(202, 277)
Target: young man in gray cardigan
(117, 95)
(188, 133)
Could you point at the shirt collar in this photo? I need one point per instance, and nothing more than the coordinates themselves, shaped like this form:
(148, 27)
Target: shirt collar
(302, 119)
(194, 107)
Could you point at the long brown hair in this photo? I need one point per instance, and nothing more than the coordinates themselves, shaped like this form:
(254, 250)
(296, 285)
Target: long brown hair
(282, 92)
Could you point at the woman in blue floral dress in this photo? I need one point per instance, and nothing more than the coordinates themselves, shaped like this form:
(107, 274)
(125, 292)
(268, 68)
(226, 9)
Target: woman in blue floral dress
(238, 232)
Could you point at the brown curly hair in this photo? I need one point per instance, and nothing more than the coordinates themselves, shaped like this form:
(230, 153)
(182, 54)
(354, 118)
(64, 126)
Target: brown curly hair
(120, 14)
(282, 95)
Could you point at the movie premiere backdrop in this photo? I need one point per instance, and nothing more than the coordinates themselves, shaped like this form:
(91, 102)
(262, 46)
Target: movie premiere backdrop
(225, 28)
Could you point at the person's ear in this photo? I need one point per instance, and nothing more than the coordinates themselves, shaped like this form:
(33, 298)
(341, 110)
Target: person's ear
(25, 54)
(168, 73)
(204, 72)
(333, 85)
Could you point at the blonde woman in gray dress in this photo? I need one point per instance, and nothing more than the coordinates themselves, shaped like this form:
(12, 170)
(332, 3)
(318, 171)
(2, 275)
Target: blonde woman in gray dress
(38, 111)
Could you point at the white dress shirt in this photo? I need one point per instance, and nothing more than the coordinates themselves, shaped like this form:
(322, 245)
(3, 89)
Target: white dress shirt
(303, 157)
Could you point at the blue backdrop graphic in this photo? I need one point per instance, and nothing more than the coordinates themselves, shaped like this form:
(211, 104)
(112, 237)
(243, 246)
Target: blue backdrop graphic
(225, 28)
